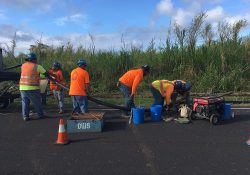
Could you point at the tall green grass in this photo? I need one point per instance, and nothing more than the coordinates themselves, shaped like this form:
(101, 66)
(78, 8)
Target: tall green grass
(217, 65)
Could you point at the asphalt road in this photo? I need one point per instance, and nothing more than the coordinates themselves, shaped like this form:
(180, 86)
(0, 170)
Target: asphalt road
(153, 148)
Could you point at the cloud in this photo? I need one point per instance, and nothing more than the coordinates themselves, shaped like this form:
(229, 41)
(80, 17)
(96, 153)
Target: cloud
(7, 30)
(182, 17)
(75, 18)
(232, 19)
(24, 36)
(216, 14)
(132, 36)
(164, 7)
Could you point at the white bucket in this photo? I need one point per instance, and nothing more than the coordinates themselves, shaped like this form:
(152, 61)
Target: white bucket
(43, 85)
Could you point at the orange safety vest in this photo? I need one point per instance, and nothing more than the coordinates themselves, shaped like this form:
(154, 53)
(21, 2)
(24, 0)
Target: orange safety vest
(29, 74)
(78, 80)
(58, 77)
(165, 83)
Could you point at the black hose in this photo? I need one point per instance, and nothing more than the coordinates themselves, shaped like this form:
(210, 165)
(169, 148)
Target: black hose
(108, 104)
(96, 100)
(13, 67)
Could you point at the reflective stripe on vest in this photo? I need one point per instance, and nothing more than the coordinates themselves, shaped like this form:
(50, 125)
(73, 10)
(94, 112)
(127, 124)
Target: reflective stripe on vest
(161, 85)
(30, 78)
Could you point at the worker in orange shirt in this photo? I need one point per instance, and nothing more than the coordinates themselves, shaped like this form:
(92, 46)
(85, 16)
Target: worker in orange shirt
(58, 91)
(79, 83)
(170, 90)
(129, 82)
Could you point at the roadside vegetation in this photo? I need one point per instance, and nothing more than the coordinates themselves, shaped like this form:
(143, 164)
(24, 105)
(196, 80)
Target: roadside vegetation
(212, 60)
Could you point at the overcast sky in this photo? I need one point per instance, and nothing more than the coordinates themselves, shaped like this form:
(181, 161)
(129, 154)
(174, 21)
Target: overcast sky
(57, 22)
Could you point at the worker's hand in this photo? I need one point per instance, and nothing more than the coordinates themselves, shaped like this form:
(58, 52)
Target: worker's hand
(132, 97)
(166, 107)
(118, 84)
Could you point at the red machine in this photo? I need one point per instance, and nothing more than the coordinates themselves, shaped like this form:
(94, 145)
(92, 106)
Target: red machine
(210, 107)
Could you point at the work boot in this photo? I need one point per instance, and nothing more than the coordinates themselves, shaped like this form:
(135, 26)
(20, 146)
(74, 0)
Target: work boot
(61, 111)
(26, 119)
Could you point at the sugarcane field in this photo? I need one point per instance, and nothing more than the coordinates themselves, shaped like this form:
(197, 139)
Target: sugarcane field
(157, 87)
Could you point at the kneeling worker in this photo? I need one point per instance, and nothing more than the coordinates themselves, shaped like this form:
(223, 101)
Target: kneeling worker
(79, 83)
(182, 88)
(169, 90)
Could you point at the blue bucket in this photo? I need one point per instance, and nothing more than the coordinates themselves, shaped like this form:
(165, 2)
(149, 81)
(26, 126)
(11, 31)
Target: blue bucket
(155, 112)
(138, 115)
(227, 111)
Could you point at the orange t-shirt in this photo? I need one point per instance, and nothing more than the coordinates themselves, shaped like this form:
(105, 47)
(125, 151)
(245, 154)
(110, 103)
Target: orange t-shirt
(132, 79)
(57, 74)
(78, 80)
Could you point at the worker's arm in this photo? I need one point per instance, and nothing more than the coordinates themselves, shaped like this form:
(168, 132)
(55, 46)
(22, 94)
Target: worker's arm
(87, 88)
(86, 83)
(169, 91)
(43, 72)
(136, 82)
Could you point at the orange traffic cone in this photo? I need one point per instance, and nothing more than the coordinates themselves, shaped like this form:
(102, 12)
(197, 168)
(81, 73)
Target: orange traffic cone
(62, 138)
(248, 142)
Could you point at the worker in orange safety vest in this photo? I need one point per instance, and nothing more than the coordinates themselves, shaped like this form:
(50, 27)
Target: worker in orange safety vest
(29, 86)
(129, 82)
(79, 84)
(58, 91)
(170, 90)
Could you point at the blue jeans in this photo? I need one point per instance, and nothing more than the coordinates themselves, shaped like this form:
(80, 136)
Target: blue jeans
(59, 95)
(80, 104)
(129, 103)
(158, 99)
(35, 97)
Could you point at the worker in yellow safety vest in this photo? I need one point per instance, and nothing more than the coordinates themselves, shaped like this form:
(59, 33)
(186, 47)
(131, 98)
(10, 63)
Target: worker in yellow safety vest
(170, 90)
(29, 86)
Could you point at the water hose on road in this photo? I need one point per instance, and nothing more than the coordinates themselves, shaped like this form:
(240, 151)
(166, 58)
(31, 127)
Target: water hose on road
(96, 100)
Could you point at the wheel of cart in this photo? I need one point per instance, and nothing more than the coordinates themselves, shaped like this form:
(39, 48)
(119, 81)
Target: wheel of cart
(4, 104)
(214, 119)
(193, 116)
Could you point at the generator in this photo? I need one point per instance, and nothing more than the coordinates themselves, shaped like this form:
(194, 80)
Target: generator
(212, 108)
